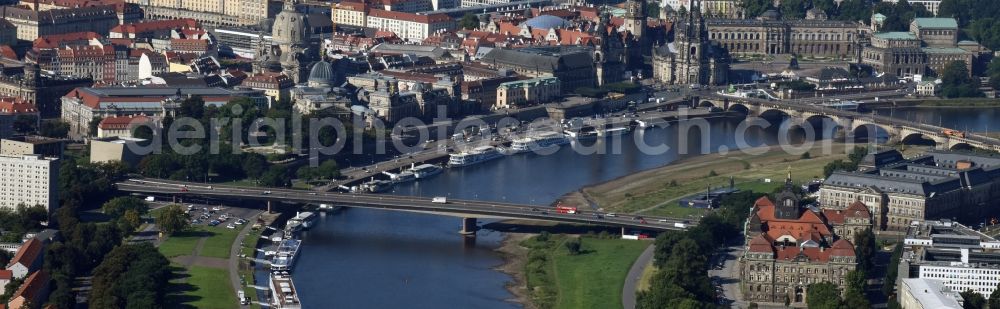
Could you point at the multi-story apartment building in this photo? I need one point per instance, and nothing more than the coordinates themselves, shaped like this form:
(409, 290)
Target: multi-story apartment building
(242, 42)
(931, 5)
(350, 14)
(960, 257)
(790, 247)
(127, 12)
(224, 13)
(409, 6)
(29, 180)
(527, 92)
(409, 26)
(276, 86)
(107, 63)
(899, 192)
(32, 24)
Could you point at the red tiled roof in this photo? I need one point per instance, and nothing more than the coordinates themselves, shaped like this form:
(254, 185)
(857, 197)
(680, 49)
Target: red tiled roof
(352, 6)
(760, 243)
(857, 210)
(7, 52)
(56, 40)
(121, 122)
(34, 284)
(842, 247)
(28, 253)
(11, 105)
(6, 274)
(156, 25)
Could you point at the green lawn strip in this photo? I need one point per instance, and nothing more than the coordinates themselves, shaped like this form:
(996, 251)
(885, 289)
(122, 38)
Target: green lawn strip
(210, 288)
(181, 243)
(594, 279)
(221, 241)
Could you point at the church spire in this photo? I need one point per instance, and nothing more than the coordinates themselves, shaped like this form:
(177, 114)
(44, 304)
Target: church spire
(788, 178)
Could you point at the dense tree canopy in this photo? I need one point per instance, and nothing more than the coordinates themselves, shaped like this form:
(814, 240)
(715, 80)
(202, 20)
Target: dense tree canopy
(973, 300)
(172, 219)
(131, 276)
(956, 81)
(682, 257)
(823, 295)
(898, 15)
(967, 11)
(469, 22)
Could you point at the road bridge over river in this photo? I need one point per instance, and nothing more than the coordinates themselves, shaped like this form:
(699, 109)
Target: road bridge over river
(467, 209)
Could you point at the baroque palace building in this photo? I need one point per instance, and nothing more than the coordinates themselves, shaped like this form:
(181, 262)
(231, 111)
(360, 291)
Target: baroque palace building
(769, 34)
(790, 247)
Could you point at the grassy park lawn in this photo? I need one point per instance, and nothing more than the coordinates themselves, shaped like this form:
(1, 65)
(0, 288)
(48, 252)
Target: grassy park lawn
(221, 241)
(211, 288)
(591, 279)
(181, 243)
(657, 191)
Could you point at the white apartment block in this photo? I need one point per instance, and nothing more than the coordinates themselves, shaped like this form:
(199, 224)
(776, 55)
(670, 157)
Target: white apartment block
(931, 5)
(964, 277)
(350, 14)
(409, 26)
(29, 180)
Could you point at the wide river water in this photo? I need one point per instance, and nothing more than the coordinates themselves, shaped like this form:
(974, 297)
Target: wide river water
(361, 258)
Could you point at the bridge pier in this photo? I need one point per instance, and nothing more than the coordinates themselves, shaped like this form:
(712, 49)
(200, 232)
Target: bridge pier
(469, 227)
(269, 207)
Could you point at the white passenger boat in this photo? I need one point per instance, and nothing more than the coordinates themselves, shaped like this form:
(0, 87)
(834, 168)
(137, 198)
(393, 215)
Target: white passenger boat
(476, 155)
(424, 171)
(284, 257)
(306, 218)
(542, 140)
(283, 293)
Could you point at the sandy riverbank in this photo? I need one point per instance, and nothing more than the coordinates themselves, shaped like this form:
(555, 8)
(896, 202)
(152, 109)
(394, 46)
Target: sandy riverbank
(514, 258)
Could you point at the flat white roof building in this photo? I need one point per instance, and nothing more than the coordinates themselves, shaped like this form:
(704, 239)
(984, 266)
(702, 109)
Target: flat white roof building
(928, 294)
(29, 180)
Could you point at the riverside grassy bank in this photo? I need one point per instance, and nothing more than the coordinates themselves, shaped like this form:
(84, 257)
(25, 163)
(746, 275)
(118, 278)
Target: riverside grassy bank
(658, 190)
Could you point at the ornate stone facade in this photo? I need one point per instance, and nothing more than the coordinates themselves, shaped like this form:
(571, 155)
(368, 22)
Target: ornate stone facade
(691, 58)
(789, 247)
(293, 50)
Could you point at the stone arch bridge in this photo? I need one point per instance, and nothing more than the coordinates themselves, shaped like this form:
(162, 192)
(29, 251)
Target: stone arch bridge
(852, 122)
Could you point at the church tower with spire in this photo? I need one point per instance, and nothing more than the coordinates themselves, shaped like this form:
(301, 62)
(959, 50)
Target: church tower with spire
(635, 18)
(787, 202)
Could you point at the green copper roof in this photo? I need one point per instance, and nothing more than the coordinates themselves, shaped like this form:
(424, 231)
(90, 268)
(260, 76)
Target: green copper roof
(896, 36)
(936, 22)
(944, 50)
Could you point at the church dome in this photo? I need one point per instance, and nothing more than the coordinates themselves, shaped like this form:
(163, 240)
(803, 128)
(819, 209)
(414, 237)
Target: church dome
(770, 15)
(290, 26)
(547, 22)
(321, 73)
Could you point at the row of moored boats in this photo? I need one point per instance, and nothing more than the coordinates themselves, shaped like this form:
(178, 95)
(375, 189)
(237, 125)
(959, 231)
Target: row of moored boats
(283, 293)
